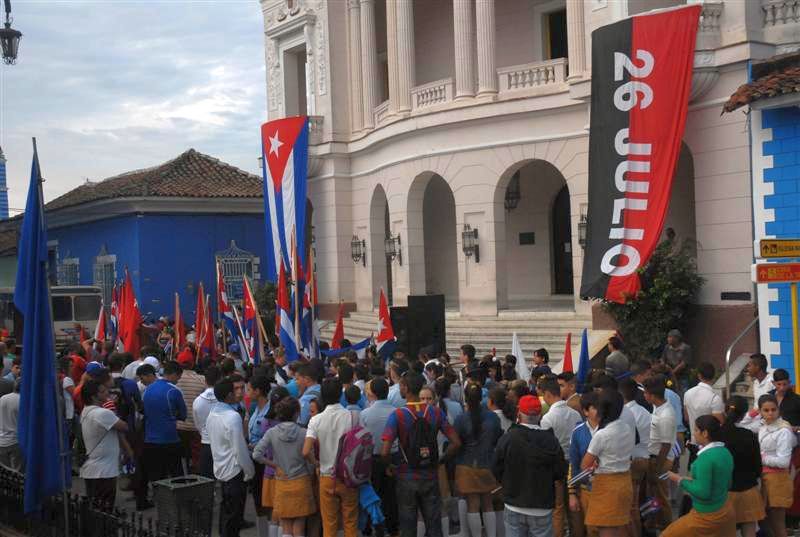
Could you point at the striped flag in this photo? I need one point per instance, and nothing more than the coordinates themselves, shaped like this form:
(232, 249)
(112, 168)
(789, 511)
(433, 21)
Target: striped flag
(285, 328)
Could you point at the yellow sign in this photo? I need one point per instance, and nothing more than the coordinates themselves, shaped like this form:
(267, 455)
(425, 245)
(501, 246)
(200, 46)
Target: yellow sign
(773, 248)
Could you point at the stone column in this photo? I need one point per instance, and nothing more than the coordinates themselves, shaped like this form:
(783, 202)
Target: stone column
(576, 38)
(369, 62)
(464, 48)
(487, 66)
(406, 73)
(354, 44)
(391, 53)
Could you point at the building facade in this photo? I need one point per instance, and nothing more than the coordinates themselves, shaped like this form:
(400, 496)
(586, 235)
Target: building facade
(441, 123)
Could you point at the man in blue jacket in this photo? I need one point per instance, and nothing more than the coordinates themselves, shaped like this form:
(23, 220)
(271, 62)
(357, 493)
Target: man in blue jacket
(163, 407)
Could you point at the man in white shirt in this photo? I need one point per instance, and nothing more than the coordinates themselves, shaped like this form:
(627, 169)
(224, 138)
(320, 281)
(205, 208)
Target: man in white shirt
(10, 453)
(702, 400)
(201, 407)
(663, 432)
(762, 384)
(232, 463)
(640, 458)
(325, 429)
(100, 428)
(562, 420)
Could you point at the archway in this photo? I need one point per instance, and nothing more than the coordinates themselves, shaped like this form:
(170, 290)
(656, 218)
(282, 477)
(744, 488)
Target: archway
(536, 256)
(378, 231)
(433, 246)
(681, 213)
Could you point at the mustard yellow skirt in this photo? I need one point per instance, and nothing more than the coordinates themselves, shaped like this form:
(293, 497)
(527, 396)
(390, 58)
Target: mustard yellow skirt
(720, 523)
(268, 492)
(471, 480)
(294, 498)
(777, 490)
(610, 501)
(748, 505)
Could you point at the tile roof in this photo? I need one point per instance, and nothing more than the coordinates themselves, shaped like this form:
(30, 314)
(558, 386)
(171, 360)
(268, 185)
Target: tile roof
(191, 175)
(775, 77)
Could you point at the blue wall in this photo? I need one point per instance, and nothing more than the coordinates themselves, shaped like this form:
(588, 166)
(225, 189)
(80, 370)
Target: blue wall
(784, 148)
(164, 253)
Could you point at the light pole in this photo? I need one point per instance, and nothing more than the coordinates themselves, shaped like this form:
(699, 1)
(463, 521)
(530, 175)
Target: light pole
(9, 38)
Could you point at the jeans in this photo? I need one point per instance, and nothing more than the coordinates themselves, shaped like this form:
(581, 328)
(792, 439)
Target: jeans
(231, 512)
(385, 487)
(414, 494)
(519, 525)
(158, 461)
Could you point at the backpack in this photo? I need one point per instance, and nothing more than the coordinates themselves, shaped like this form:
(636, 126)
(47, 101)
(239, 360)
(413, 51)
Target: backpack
(354, 457)
(423, 447)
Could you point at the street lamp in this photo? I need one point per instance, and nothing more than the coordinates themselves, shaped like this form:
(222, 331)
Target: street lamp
(9, 38)
(469, 243)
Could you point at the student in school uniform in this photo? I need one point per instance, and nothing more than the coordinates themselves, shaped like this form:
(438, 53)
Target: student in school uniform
(663, 433)
(777, 439)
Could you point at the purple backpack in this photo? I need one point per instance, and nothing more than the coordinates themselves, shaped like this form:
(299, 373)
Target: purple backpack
(354, 458)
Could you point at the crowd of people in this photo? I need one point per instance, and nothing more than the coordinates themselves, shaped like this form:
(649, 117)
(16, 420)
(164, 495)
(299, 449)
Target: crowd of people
(421, 446)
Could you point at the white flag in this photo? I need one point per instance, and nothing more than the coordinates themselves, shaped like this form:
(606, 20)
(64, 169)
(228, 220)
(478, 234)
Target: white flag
(522, 366)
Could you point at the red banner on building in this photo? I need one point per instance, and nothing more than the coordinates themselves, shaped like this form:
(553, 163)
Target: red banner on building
(641, 78)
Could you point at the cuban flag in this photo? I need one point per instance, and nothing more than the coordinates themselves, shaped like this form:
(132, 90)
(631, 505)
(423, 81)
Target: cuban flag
(100, 328)
(385, 340)
(286, 326)
(224, 306)
(284, 151)
(252, 336)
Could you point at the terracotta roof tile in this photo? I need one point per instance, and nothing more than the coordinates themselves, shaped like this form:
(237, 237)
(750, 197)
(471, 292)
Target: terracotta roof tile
(191, 175)
(783, 78)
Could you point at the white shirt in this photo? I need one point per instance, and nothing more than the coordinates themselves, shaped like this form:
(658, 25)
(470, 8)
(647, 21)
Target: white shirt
(394, 396)
(699, 401)
(327, 428)
(777, 441)
(663, 429)
(9, 415)
(130, 370)
(761, 387)
(228, 447)
(102, 444)
(201, 407)
(613, 446)
(69, 404)
(562, 420)
(642, 418)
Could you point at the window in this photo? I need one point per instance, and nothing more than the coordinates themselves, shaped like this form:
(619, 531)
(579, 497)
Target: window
(68, 271)
(105, 273)
(294, 81)
(62, 308)
(87, 308)
(235, 264)
(555, 24)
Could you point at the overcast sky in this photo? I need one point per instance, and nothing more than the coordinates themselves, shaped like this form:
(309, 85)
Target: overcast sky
(112, 86)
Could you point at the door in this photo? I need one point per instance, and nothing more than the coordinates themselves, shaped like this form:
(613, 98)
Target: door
(562, 244)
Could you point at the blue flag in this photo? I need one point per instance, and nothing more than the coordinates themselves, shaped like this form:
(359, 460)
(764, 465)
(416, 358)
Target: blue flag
(583, 364)
(38, 411)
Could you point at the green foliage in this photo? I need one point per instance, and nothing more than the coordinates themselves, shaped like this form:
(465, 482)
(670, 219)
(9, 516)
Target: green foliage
(266, 294)
(670, 284)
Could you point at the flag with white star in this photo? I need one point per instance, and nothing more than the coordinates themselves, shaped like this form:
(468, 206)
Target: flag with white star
(284, 148)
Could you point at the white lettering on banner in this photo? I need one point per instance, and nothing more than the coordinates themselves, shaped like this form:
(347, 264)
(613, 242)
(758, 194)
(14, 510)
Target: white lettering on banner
(626, 97)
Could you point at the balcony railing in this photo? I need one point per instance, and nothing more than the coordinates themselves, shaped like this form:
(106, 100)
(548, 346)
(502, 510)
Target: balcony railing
(780, 11)
(533, 77)
(710, 15)
(381, 112)
(432, 94)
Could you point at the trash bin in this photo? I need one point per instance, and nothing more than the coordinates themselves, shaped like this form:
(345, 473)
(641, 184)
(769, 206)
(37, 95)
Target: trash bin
(186, 501)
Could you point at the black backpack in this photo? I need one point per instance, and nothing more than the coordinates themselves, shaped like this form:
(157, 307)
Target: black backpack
(423, 449)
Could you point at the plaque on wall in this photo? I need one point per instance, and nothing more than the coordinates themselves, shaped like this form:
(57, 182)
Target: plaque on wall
(527, 238)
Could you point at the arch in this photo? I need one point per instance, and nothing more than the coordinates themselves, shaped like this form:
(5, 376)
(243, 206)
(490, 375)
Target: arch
(534, 240)
(432, 240)
(681, 213)
(378, 231)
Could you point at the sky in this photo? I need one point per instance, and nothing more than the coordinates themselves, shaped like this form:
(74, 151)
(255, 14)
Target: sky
(112, 86)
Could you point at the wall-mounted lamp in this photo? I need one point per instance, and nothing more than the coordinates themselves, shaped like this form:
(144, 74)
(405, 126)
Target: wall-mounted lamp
(583, 226)
(393, 248)
(358, 250)
(513, 193)
(469, 243)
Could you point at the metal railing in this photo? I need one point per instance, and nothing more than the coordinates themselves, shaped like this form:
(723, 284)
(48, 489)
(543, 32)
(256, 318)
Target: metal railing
(728, 353)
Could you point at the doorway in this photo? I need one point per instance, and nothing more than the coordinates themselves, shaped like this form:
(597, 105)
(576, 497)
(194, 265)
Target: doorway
(562, 244)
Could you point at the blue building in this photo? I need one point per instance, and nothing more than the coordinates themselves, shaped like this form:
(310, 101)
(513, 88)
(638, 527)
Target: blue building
(773, 99)
(166, 224)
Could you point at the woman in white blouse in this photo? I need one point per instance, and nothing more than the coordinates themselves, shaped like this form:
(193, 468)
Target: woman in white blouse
(777, 441)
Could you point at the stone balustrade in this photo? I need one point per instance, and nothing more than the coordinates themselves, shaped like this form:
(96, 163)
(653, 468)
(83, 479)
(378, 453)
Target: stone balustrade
(778, 12)
(432, 94)
(381, 113)
(533, 76)
(710, 15)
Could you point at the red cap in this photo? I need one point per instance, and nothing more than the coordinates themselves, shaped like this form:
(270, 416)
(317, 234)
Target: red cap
(529, 405)
(186, 358)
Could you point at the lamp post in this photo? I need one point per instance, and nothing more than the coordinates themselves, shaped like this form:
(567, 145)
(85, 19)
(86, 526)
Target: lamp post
(9, 38)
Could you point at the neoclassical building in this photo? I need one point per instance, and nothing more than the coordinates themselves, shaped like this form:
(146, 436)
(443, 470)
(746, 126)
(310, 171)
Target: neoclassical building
(459, 129)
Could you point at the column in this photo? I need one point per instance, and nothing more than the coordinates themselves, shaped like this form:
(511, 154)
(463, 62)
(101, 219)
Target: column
(464, 48)
(406, 73)
(576, 39)
(391, 53)
(354, 44)
(487, 66)
(369, 62)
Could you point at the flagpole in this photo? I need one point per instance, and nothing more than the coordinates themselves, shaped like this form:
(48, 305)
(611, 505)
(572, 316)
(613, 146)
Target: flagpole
(258, 314)
(295, 275)
(219, 313)
(58, 391)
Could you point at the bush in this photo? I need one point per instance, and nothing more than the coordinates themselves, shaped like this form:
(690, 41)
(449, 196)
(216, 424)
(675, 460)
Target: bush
(670, 284)
(265, 294)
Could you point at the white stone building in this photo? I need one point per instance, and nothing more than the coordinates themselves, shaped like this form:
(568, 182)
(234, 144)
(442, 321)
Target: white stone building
(431, 116)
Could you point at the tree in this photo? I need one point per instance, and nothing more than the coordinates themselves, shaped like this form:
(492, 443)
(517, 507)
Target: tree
(266, 294)
(670, 284)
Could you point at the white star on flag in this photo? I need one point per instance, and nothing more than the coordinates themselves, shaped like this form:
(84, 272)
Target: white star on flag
(380, 325)
(274, 144)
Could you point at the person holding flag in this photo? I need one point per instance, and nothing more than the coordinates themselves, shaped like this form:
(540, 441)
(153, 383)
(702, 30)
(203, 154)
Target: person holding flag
(251, 326)
(385, 340)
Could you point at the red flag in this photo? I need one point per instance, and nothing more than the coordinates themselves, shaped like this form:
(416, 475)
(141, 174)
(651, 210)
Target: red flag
(208, 343)
(282, 300)
(199, 317)
(385, 331)
(180, 331)
(567, 367)
(338, 334)
(82, 333)
(132, 318)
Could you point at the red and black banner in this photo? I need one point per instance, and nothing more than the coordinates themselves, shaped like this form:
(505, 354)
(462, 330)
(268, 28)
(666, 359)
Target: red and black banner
(641, 78)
